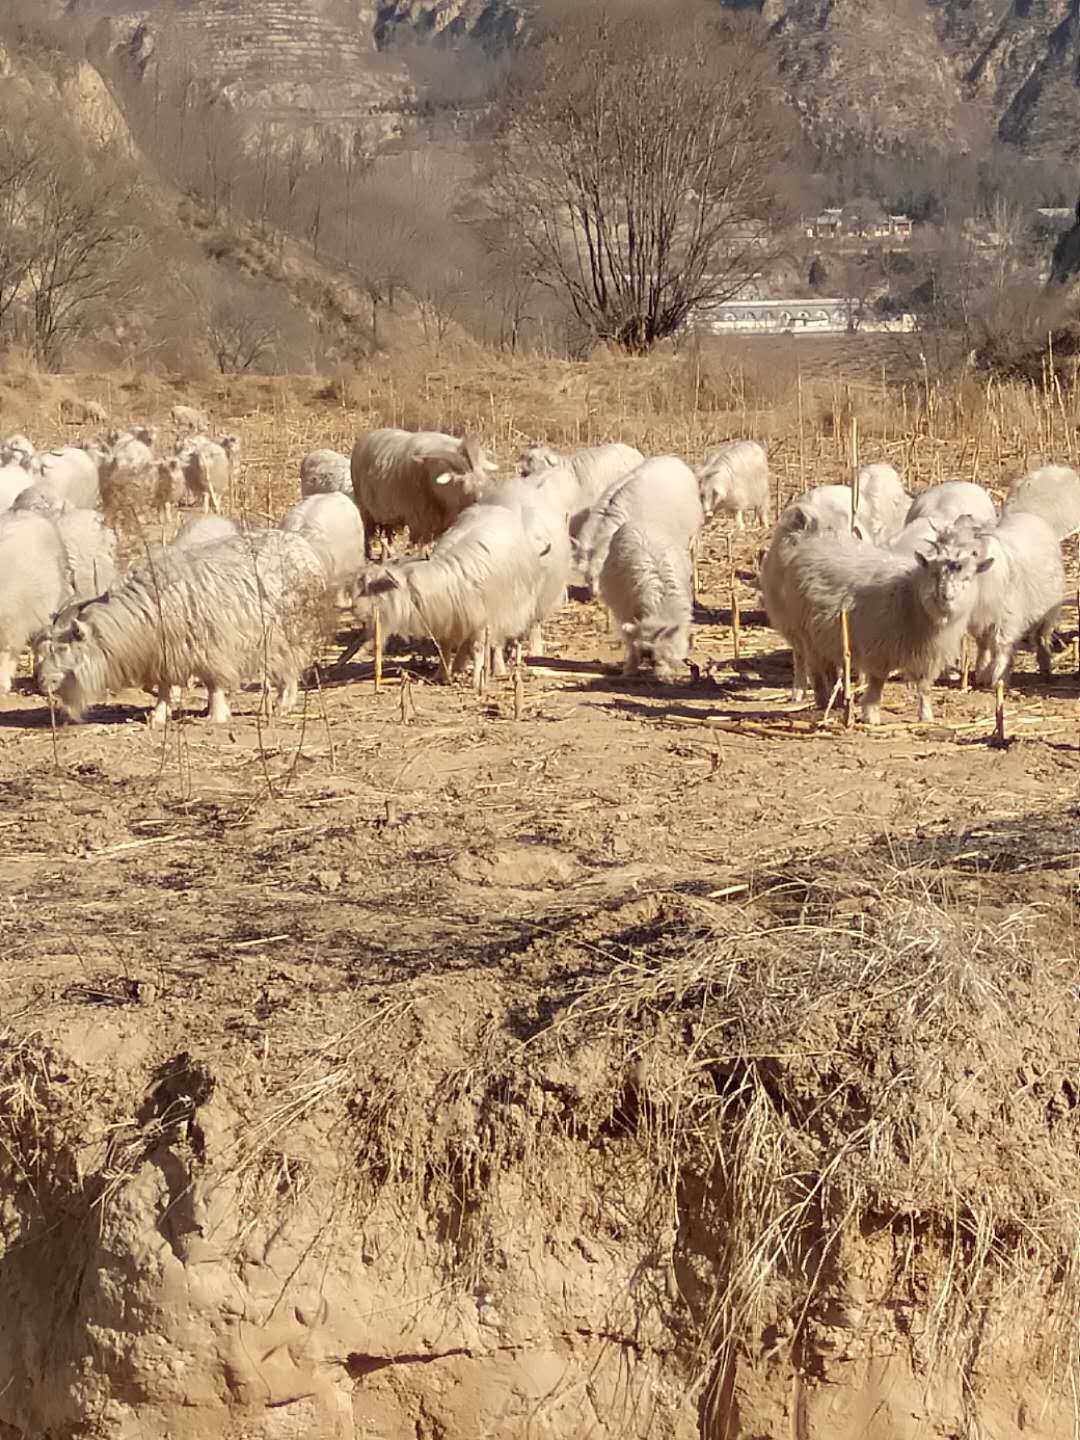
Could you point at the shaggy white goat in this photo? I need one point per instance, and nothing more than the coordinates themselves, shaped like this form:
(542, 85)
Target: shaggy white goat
(322, 472)
(205, 530)
(420, 479)
(1021, 587)
(735, 478)
(645, 583)
(823, 511)
(33, 584)
(208, 468)
(481, 581)
(89, 552)
(660, 494)
(332, 525)
(594, 469)
(248, 607)
(543, 502)
(1052, 492)
(187, 419)
(883, 503)
(905, 612)
(71, 472)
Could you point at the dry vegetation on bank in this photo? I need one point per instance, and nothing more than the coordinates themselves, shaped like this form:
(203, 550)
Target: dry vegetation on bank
(659, 1062)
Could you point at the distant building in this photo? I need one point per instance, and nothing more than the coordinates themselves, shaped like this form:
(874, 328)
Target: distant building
(857, 222)
(796, 317)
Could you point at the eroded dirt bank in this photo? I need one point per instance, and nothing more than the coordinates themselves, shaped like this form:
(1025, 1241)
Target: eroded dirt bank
(372, 1109)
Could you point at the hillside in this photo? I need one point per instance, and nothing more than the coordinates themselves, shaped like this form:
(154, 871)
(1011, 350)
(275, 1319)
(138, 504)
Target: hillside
(883, 70)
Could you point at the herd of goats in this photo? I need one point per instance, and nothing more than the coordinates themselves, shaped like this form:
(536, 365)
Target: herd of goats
(861, 576)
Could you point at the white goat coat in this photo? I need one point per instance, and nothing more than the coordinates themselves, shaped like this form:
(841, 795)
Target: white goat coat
(660, 494)
(421, 479)
(324, 472)
(33, 584)
(645, 583)
(482, 579)
(594, 468)
(947, 502)
(250, 607)
(735, 478)
(1052, 492)
(1019, 592)
(331, 524)
(904, 612)
(883, 502)
(71, 473)
(542, 502)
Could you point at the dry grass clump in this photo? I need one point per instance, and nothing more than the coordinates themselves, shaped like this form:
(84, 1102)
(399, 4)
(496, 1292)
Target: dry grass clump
(849, 1060)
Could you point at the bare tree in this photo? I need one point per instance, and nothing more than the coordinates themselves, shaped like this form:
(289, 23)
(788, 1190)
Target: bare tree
(79, 232)
(637, 160)
(19, 160)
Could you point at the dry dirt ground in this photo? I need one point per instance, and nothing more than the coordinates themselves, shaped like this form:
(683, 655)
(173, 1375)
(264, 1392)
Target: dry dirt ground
(426, 870)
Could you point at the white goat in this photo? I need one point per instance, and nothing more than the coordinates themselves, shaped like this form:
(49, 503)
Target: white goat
(1052, 492)
(251, 606)
(187, 419)
(420, 479)
(332, 525)
(595, 469)
(1021, 587)
(645, 583)
(13, 481)
(71, 472)
(208, 468)
(129, 477)
(883, 503)
(480, 583)
(89, 552)
(205, 530)
(322, 472)
(17, 449)
(543, 502)
(906, 613)
(660, 494)
(735, 478)
(823, 511)
(33, 584)
(947, 502)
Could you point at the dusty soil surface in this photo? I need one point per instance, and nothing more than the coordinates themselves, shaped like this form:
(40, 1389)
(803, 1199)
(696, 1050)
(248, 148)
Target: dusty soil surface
(321, 1094)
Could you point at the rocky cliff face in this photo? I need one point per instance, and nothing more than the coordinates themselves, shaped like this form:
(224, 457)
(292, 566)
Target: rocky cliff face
(882, 69)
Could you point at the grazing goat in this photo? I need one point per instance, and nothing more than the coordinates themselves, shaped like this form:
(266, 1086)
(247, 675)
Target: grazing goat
(661, 493)
(420, 479)
(645, 583)
(250, 606)
(735, 478)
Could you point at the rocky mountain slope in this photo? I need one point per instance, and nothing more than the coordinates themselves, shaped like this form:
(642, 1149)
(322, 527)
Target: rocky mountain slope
(881, 69)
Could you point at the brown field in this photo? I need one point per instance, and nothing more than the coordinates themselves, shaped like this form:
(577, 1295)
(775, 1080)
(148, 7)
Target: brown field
(662, 1061)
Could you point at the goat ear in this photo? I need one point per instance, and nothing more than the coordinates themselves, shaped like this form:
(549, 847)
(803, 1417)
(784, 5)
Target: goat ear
(984, 565)
(470, 448)
(79, 630)
(921, 558)
(799, 519)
